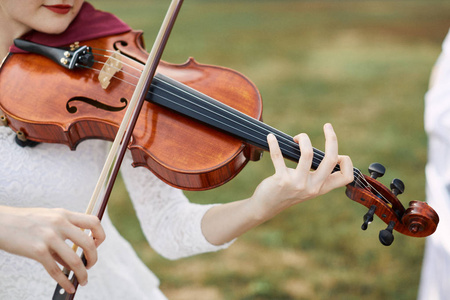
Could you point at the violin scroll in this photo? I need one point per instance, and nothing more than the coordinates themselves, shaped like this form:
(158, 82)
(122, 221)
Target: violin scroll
(420, 217)
(418, 220)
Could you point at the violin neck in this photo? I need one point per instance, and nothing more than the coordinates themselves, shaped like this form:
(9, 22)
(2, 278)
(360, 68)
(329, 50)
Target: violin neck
(178, 97)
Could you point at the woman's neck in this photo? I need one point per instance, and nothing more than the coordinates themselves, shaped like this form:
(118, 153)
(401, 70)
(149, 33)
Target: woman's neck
(9, 30)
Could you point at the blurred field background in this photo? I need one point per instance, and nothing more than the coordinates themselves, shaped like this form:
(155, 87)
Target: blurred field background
(361, 65)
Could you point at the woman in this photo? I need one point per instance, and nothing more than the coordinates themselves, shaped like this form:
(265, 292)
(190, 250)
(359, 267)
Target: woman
(435, 279)
(34, 184)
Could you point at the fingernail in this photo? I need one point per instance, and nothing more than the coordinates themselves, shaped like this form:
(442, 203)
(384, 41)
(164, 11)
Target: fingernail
(329, 126)
(84, 283)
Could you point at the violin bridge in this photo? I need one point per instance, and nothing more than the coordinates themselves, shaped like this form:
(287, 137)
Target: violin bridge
(110, 68)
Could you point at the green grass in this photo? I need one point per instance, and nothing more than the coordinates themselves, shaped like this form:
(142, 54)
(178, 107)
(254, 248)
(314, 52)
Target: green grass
(361, 65)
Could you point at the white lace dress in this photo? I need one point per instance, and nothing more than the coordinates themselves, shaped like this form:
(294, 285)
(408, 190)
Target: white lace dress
(435, 279)
(51, 175)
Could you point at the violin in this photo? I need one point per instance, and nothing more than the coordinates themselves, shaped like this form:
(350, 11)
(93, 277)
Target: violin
(212, 111)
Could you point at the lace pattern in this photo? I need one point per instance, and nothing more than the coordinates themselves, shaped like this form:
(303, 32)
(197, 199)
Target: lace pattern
(51, 175)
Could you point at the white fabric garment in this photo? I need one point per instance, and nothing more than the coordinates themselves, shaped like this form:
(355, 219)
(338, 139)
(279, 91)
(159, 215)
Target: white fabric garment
(51, 175)
(435, 279)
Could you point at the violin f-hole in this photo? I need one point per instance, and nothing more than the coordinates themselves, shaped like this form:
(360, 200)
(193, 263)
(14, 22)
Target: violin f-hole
(73, 109)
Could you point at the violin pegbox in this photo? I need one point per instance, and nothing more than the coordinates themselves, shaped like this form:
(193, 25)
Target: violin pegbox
(74, 56)
(419, 220)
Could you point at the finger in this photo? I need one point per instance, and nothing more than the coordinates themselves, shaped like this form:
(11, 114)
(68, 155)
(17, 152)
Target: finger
(346, 170)
(59, 260)
(72, 260)
(87, 243)
(307, 153)
(88, 222)
(275, 154)
(331, 153)
(343, 177)
(84, 241)
(55, 272)
(346, 165)
(331, 143)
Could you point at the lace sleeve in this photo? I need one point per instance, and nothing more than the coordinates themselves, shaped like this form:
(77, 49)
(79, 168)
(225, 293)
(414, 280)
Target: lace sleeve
(171, 224)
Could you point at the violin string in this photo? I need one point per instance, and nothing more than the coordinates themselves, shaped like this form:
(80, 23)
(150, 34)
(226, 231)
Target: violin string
(358, 176)
(126, 57)
(115, 68)
(114, 58)
(260, 135)
(122, 55)
(97, 70)
(115, 77)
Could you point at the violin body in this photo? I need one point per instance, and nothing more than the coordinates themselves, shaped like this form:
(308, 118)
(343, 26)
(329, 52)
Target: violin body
(69, 106)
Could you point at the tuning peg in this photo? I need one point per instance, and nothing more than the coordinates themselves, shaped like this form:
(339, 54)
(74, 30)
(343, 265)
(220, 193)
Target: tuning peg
(397, 187)
(386, 236)
(368, 217)
(376, 170)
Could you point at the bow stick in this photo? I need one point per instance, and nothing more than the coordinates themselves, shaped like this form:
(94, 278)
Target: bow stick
(123, 136)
